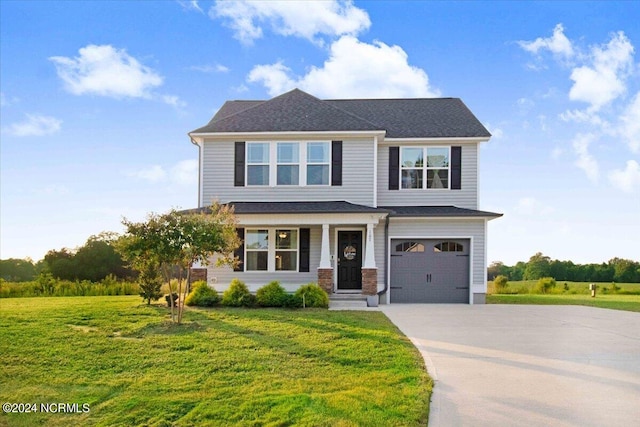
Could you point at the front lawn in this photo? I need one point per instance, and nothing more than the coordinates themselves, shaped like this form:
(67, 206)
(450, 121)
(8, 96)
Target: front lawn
(221, 367)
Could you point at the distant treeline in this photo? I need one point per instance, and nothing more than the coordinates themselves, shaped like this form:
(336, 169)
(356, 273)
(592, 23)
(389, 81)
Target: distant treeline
(93, 262)
(615, 270)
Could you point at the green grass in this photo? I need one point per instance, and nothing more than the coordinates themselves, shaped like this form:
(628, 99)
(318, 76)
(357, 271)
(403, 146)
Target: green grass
(627, 297)
(223, 366)
(617, 302)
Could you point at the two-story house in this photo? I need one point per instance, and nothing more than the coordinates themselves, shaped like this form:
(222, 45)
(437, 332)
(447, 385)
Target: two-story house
(367, 196)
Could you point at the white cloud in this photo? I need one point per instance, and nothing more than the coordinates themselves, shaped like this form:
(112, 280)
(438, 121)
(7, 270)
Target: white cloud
(528, 206)
(556, 153)
(628, 179)
(353, 69)
(54, 190)
(604, 79)
(153, 173)
(558, 44)
(106, 71)
(35, 125)
(630, 124)
(190, 5)
(217, 68)
(303, 19)
(496, 133)
(585, 160)
(185, 172)
(174, 101)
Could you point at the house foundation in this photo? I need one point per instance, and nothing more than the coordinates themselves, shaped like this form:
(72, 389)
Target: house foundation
(325, 279)
(369, 281)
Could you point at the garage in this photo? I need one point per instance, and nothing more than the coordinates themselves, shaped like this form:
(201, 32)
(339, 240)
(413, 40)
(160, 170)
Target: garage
(430, 270)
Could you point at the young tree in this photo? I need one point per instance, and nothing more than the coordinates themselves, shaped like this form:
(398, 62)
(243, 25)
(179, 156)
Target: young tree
(150, 282)
(178, 240)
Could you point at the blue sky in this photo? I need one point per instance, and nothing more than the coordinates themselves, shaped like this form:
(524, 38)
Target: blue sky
(97, 99)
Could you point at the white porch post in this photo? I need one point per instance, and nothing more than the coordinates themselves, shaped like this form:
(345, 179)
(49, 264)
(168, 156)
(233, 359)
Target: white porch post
(325, 256)
(369, 254)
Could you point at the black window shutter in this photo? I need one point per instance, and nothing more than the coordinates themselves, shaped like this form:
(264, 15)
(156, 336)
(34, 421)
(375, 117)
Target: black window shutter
(336, 163)
(305, 245)
(239, 165)
(239, 253)
(394, 168)
(456, 168)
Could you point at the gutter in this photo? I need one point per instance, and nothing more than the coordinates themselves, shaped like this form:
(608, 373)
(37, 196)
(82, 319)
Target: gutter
(386, 259)
(199, 168)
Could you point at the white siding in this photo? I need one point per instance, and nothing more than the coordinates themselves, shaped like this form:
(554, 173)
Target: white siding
(466, 197)
(357, 178)
(459, 228)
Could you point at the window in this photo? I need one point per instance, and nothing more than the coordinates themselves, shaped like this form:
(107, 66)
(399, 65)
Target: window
(257, 247)
(286, 250)
(288, 163)
(448, 247)
(413, 168)
(257, 163)
(410, 247)
(271, 249)
(318, 157)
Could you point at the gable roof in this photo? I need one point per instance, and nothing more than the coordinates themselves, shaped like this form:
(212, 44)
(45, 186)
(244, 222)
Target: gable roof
(399, 118)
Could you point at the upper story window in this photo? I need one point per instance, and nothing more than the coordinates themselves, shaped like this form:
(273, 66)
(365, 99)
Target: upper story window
(288, 163)
(258, 163)
(288, 159)
(418, 173)
(318, 163)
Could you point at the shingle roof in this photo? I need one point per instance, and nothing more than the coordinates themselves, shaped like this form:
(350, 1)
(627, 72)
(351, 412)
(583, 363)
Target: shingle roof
(438, 211)
(347, 207)
(292, 111)
(299, 111)
(295, 207)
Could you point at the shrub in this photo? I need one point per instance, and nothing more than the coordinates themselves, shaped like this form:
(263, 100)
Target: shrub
(202, 295)
(313, 295)
(500, 284)
(545, 284)
(292, 301)
(271, 295)
(238, 295)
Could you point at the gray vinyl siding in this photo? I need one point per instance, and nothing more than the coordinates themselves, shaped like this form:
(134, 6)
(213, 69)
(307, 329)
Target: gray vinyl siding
(466, 197)
(220, 277)
(434, 228)
(357, 178)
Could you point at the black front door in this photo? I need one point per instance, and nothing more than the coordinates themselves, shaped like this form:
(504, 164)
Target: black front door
(349, 260)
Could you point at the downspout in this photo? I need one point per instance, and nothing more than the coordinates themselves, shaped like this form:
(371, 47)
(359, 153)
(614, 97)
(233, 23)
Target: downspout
(386, 258)
(199, 169)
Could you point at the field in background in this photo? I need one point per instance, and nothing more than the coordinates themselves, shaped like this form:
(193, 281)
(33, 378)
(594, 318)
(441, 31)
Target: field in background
(619, 296)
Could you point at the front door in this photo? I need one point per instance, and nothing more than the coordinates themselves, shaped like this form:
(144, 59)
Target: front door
(349, 260)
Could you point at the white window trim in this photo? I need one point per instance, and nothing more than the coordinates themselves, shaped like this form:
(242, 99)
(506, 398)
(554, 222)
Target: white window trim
(246, 166)
(271, 251)
(273, 164)
(425, 168)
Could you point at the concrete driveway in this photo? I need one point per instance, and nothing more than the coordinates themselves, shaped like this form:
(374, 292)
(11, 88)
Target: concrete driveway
(517, 365)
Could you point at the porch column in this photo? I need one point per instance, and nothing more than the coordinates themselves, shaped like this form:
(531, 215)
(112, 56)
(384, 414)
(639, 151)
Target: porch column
(325, 271)
(325, 256)
(369, 269)
(369, 254)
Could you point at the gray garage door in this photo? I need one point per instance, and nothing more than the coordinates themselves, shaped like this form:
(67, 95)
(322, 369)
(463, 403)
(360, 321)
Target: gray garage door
(432, 271)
